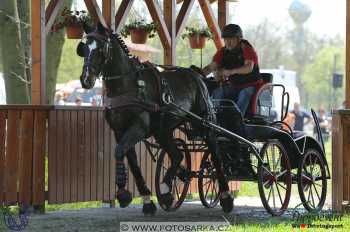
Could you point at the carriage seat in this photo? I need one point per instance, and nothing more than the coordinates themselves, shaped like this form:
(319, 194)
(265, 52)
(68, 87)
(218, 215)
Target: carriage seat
(265, 101)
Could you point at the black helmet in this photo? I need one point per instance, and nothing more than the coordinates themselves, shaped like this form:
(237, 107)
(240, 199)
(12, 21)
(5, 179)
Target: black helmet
(232, 30)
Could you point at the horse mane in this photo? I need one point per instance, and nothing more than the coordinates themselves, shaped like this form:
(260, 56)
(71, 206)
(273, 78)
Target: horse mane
(126, 49)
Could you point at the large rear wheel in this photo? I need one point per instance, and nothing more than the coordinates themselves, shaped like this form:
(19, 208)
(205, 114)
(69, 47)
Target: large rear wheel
(312, 181)
(208, 184)
(180, 182)
(274, 178)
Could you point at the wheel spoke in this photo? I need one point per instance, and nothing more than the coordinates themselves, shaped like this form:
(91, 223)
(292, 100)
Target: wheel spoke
(280, 174)
(269, 195)
(273, 197)
(206, 194)
(312, 197)
(279, 158)
(282, 186)
(318, 184)
(319, 198)
(279, 194)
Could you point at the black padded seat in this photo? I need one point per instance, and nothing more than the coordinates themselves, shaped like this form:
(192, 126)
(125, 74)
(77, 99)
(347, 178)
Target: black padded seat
(267, 77)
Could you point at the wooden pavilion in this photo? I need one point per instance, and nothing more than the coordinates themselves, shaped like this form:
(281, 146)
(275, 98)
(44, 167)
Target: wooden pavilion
(72, 176)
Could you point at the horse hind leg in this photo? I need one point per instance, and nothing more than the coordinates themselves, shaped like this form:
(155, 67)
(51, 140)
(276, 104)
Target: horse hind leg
(149, 208)
(226, 200)
(166, 198)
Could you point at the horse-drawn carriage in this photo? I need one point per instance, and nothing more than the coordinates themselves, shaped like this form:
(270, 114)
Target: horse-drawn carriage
(141, 102)
(279, 156)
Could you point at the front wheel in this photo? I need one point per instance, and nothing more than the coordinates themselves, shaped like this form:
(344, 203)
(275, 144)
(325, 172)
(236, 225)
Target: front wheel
(208, 184)
(312, 181)
(180, 182)
(274, 178)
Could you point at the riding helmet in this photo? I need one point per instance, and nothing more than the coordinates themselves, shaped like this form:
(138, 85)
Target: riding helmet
(232, 30)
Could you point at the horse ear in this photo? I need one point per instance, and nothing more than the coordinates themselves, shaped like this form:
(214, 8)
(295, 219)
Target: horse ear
(101, 29)
(81, 49)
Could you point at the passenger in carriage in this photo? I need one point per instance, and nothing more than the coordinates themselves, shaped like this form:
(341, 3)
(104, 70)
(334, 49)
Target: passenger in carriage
(236, 66)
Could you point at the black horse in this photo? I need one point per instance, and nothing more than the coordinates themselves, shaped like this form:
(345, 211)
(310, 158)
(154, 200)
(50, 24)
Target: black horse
(133, 94)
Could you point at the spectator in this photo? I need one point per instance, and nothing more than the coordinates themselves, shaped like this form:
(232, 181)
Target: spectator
(300, 116)
(78, 101)
(324, 124)
(59, 99)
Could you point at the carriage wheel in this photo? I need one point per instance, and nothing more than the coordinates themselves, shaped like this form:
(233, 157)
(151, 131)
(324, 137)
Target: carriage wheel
(181, 182)
(275, 178)
(208, 184)
(312, 181)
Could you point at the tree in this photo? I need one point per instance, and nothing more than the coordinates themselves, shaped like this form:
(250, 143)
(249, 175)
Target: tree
(16, 82)
(317, 78)
(15, 43)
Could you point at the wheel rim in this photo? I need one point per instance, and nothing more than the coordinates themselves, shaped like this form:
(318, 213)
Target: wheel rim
(275, 179)
(180, 182)
(208, 183)
(312, 181)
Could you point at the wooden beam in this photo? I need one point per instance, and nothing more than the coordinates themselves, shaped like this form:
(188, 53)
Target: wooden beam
(222, 13)
(212, 23)
(159, 20)
(183, 16)
(51, 13)
(108, 11)
(95, 11)
(122, 13)
(38, 88)
(347, 75)
(169, 16)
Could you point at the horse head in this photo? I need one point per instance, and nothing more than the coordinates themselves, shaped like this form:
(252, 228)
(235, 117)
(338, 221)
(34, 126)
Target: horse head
(94, 48)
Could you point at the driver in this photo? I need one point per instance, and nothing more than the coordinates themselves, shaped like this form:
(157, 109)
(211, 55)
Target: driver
(236, 66)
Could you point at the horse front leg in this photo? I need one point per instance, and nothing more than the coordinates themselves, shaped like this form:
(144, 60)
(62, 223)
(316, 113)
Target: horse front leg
(226, 200)
(126, 146)
(149, 208)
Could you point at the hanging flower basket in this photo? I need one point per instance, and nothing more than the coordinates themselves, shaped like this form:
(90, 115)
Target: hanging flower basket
(197, 36)
(139, 31)
(139, 36)
(197, 41)
(74, 31)
(73, 21)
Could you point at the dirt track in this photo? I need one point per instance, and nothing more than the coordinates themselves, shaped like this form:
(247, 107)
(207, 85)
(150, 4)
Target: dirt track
(247, 210)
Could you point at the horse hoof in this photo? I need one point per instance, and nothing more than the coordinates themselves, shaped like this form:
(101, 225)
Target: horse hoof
(124, 198)
(149, 209)
(166, 200)
(227, 204)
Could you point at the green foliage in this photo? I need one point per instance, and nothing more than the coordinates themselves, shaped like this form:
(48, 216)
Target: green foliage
(194, 31)
(71, 64)
(71, 18)
(317, 78)
(150, 28)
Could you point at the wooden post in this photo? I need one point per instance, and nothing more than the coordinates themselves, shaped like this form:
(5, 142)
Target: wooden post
(169, 17)
(38, 52)
(182, 16)
(122, 13)
(222, 13)
(158, 18)
(95, 11)
(347, 74)
(51, 13)
(108, 11)
(212, 23)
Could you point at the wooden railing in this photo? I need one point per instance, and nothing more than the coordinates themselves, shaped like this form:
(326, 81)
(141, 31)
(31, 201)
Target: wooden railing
(79, 147)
